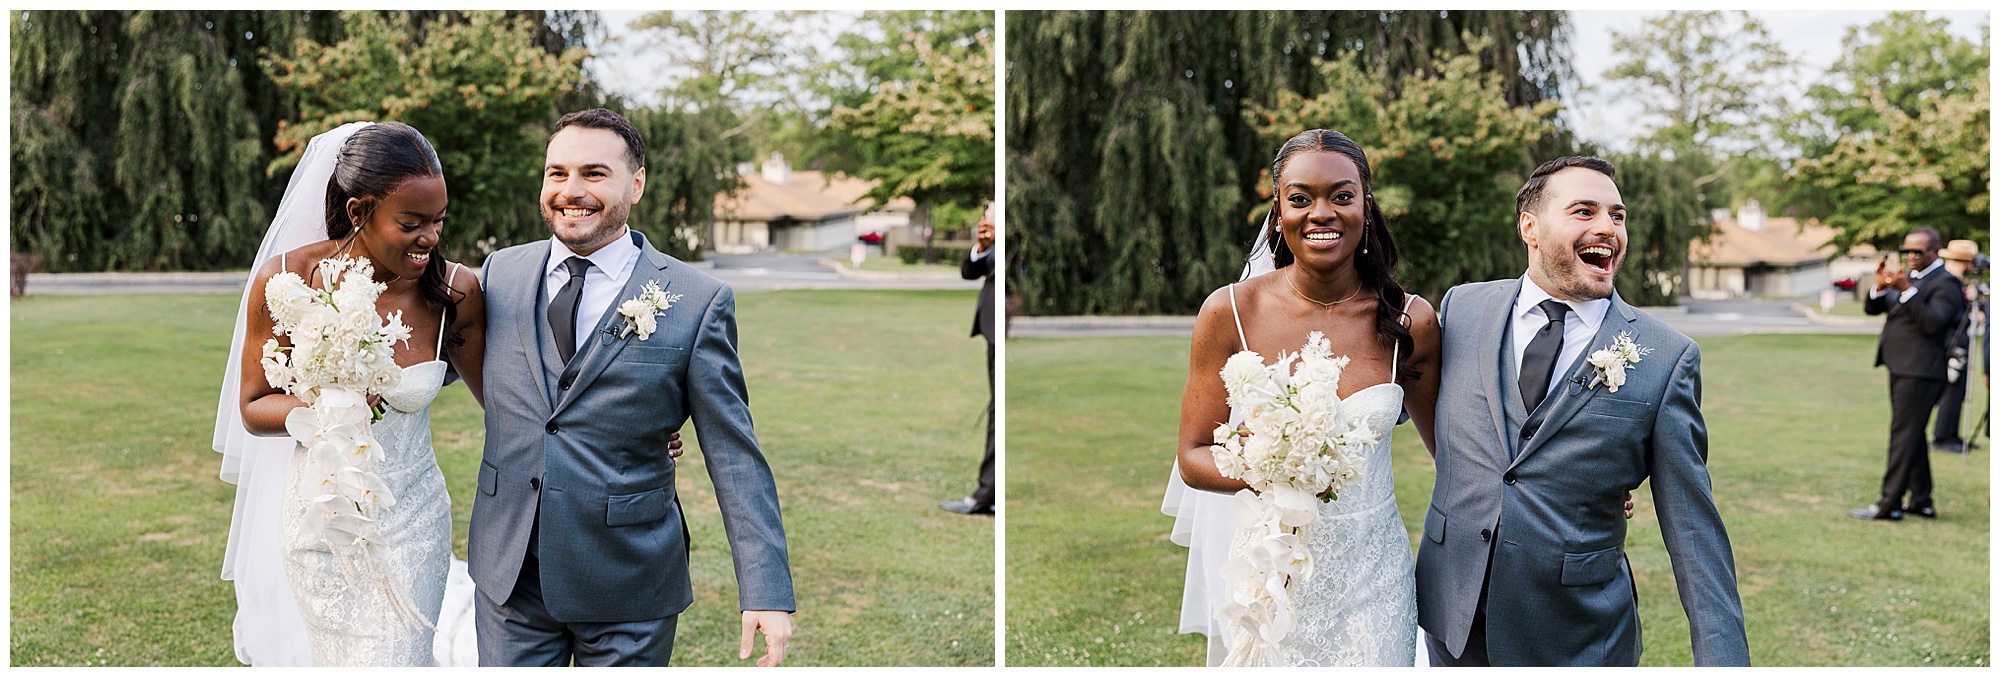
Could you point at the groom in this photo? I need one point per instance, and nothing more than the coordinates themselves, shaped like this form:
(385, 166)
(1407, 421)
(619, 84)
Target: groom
(1523, 560)
(579, 547)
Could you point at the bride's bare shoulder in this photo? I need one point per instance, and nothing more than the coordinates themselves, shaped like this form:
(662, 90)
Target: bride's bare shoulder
(1421, 312)
(298, 261)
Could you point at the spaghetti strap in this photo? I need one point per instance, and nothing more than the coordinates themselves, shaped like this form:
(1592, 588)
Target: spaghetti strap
(1396, 354)
(441, 314)
(1241, 343)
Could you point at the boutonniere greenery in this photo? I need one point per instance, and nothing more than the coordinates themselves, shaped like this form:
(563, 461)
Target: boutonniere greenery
(639, 312)
(1612, 362)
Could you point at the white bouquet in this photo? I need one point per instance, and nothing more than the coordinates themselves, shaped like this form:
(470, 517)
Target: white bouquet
(1298, 448)
(342, 351)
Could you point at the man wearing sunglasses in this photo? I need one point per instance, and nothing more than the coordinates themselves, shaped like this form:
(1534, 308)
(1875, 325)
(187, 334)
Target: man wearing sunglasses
(1922, 303)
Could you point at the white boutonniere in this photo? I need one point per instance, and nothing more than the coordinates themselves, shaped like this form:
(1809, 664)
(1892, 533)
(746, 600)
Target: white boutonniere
(1612, 362)
(639, 312)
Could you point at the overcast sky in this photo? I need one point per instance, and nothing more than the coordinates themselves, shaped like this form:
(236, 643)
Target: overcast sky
(623, 65)
(1811, 37)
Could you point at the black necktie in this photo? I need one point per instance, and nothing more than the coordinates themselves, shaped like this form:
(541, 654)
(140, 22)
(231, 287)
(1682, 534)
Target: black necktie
(562, 309)
(1539, 362)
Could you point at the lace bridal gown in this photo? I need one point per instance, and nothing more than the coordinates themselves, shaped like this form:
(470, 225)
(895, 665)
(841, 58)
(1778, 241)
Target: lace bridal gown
(350, 622)
(1359, 606)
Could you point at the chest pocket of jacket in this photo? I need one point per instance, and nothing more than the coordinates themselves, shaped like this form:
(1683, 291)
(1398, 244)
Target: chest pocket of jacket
(1612, 407)
(640, 352)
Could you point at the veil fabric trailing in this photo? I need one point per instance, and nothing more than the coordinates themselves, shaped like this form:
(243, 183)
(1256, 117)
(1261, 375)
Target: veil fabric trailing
(268, 628)
(1205, 521)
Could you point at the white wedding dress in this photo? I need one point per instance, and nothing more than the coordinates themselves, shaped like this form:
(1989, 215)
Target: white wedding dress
(264, 549)
(1359, 605)
(348, 618)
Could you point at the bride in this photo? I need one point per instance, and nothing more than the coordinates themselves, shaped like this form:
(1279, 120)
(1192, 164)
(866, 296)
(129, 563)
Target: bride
(1333, 260)
(372, 192)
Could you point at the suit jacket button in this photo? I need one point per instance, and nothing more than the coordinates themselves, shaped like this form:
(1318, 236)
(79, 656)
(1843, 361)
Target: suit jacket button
(1509, 477)
(1485, 534)
(563, 385)
(535, 483)
(552, 427)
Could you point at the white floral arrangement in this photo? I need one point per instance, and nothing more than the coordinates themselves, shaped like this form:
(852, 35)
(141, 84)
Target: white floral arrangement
(640, 312)
(1298, 448)
(342, 351)
(1612, 362)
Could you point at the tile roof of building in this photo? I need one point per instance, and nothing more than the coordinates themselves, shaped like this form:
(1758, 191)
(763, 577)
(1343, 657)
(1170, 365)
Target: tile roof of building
(1784, 241)
(805, 196)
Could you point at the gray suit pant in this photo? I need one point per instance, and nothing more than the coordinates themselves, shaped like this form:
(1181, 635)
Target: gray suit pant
(521, 633)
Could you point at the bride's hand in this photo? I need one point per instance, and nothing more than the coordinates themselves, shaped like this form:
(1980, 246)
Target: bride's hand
(1628, 505)
(674, 451)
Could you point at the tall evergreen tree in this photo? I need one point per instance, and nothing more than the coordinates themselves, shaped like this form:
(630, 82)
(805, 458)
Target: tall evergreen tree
(187, 145)
(64, 78)
(479, 85)
(1125, 127)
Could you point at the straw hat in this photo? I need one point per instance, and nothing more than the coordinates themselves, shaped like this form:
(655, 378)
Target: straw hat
(1960, 250)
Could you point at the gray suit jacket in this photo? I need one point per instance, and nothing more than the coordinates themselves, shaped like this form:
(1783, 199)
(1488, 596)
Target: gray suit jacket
(585, 452)
(1547, 525)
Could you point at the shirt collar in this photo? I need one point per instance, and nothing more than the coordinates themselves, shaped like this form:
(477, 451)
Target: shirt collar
(1936, 264)
(611, 259)
(1527, 304)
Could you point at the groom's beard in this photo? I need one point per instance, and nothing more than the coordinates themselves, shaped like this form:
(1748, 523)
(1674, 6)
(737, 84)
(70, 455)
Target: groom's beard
(1569, 278)
(610, 219)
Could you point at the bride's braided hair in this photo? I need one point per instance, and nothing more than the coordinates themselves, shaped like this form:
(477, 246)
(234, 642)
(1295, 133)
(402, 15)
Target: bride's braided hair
(374, 162)
(1374, 261)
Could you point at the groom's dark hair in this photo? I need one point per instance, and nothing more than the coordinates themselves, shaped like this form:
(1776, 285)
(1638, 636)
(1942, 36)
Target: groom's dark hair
(1530, 197)
(599, 118)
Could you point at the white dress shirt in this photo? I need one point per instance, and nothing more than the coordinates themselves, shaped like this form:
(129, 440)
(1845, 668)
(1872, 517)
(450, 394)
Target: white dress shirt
(1904, 296)
(610, 266)
(1581, 326)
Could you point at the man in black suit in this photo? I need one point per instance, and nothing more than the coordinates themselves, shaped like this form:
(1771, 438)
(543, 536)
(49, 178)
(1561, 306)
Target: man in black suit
(1923, 304)
(976, 266)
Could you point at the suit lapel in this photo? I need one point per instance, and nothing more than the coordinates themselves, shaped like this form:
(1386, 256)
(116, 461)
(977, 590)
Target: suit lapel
(1571, 395)
(527, 295)
(605, 344)
(1494, 372)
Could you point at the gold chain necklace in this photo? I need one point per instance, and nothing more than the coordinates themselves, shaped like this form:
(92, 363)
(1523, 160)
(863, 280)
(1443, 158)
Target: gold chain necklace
(1323, 305)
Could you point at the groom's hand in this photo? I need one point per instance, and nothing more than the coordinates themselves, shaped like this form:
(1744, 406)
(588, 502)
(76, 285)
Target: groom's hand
(777, 629)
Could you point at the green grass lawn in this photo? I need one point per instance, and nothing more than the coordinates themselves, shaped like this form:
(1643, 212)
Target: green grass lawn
(1797, 432)
(868, 405)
